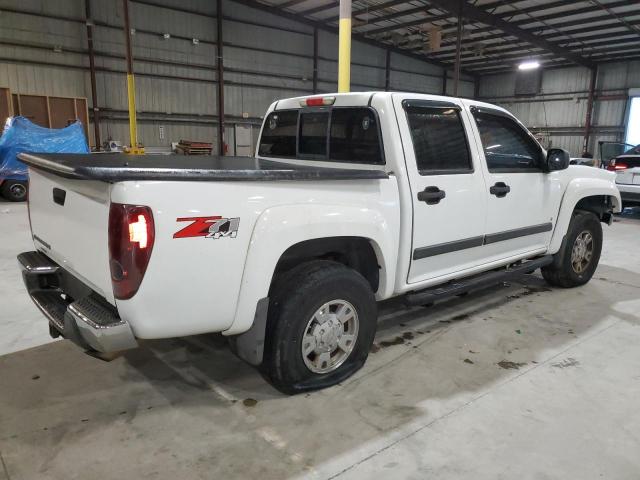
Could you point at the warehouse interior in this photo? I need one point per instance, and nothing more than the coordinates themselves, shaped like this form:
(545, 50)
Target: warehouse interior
(519, 380)
(273, 51)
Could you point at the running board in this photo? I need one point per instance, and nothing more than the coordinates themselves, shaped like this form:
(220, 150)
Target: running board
(483, 280)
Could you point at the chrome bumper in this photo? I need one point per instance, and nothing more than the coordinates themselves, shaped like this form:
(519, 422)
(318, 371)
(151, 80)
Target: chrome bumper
(74, 311)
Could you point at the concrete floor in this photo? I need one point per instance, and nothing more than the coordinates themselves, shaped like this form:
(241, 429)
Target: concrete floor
(520, 381)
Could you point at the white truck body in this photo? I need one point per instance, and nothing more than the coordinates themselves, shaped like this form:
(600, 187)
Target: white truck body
(200, 284)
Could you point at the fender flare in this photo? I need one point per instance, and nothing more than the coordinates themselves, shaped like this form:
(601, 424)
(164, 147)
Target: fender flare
(578, 189)
(281, 227)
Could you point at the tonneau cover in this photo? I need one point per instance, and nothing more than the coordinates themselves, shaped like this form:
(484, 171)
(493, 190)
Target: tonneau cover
(121, 167)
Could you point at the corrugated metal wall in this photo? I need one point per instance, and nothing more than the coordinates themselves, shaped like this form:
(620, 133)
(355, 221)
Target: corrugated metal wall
(558, 114)
(266, 57)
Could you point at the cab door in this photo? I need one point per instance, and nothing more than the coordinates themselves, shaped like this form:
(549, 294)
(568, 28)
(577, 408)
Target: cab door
(522, 199)
(446, 183)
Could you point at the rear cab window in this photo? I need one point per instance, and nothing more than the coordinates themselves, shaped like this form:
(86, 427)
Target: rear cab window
(335, 134)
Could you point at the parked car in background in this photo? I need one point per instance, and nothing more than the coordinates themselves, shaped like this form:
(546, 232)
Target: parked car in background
(624, 160)
(586, 161)
(22, 135)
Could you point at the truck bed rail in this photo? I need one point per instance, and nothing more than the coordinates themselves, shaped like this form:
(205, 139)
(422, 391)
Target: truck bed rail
(122, 167)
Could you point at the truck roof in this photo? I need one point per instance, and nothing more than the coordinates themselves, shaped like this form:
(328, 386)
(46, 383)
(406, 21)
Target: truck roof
(354, 99)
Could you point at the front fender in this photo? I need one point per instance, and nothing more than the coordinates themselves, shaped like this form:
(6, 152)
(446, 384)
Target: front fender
(281, 227)
(576, 190)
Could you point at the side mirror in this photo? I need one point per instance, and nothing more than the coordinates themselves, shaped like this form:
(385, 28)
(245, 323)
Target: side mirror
(557, 159)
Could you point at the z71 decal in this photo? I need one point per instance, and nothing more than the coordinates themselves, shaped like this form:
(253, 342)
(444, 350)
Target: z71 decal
(208, 227)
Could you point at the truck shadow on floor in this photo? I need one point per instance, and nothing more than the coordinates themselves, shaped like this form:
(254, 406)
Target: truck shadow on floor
(425, 363)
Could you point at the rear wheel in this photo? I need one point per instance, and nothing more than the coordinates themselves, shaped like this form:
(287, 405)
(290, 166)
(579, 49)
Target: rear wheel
(14, 190)
(577, 260)
(321, 323)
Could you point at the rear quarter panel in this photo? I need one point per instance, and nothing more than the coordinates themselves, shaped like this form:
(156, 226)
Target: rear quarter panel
(192, 285)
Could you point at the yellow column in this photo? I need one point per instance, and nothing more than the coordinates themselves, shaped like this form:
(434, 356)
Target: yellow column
(131, 94)
(344, 47)
(131, 86)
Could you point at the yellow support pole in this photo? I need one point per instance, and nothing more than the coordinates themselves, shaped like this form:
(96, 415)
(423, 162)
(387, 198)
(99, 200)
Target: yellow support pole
(131, 95)
(134, 148)
(344, 47)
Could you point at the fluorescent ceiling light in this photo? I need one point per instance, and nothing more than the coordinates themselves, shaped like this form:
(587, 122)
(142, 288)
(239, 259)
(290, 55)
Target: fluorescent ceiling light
(530, 65)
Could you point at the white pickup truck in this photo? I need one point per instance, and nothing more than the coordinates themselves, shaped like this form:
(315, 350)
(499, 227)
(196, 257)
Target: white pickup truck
(351, 199)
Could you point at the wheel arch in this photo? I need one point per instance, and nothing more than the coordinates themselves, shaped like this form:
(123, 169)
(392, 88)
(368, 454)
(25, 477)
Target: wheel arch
(595, 195)
(357, 253)
(287, 235)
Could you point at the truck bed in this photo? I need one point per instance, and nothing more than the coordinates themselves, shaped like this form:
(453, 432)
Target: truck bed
(121, 167)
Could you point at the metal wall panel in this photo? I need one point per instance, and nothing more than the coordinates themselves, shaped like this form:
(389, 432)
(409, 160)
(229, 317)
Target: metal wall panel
(176, 79)
(559, 112)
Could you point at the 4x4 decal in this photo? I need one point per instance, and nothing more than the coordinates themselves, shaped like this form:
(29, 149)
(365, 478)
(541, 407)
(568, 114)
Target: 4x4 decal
(208, 227)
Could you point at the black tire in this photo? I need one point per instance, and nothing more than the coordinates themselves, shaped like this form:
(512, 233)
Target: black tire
(295, 298)
(14, 190)
(562, 273)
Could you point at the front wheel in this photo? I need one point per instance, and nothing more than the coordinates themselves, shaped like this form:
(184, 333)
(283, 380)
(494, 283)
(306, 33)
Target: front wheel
(578, 258)
(14, 190)
(321, 324)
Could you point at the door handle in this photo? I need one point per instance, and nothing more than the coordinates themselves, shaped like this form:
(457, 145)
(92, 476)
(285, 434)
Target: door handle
(431, 195)
(500, 189)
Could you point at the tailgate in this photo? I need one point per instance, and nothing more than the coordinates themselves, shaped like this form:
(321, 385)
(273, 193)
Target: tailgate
(69, 223)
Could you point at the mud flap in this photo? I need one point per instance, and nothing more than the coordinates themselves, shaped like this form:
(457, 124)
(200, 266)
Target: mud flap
(249, 346)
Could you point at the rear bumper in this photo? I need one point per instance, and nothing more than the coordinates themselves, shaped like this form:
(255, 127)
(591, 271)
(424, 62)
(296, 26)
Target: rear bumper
(629, 193)
(74, 310)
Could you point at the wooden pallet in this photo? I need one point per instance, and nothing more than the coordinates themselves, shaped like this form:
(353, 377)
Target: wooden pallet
(188, 147)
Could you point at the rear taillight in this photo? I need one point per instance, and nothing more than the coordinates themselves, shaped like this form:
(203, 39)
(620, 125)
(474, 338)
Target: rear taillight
(616, 166)
(131, 236)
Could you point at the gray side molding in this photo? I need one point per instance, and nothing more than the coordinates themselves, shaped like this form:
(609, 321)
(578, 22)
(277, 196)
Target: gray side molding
(250, 344)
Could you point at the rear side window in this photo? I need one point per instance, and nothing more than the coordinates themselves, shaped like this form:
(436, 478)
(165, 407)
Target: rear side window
(354, 136)
(439, 140)
(279, 134)
(507, 146)
(341, 134)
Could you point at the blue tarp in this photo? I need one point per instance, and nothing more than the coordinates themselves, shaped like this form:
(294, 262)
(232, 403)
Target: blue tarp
(20, 135)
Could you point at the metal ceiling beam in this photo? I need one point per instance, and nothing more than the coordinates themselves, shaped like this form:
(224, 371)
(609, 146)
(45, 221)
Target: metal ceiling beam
(560, 38)
(291, 3)
(504, 48)
(550, 36)
(400, 14)
(360, 11)
(413, 23)
(473, 13)
(449, 49)
(507, 60)
(356, 36)
(621, 19)
(485, 7)
(321, 8)
(515, 57)
(554, 16)
(501, 35)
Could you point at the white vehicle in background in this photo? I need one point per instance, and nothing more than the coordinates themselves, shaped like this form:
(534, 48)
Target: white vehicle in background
(624, 160)
(586, 161)
(351, 199)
